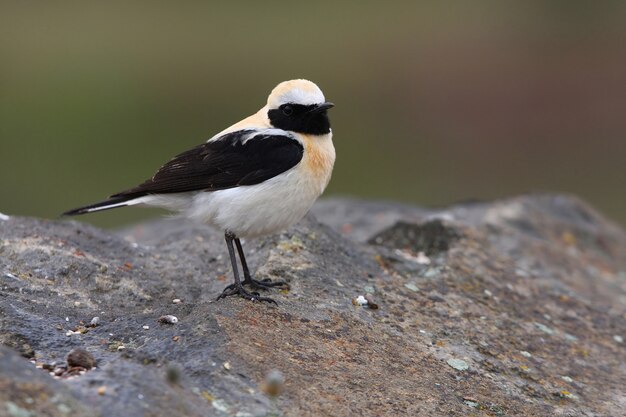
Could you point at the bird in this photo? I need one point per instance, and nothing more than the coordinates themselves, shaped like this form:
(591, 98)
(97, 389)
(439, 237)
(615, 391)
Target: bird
(255, 178)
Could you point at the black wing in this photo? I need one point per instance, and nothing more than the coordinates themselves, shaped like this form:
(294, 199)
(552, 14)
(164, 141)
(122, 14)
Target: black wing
(227, 162)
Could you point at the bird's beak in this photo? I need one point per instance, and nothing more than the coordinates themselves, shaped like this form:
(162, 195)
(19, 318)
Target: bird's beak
(322, 107)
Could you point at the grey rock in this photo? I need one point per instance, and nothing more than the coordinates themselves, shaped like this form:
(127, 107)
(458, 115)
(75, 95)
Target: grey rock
(542, 258)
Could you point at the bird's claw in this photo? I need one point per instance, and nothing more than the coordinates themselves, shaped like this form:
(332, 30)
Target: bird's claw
(234, 289)
(264, 284)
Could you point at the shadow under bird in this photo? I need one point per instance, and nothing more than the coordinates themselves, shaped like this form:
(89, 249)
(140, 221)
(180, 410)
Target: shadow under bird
(257, 177)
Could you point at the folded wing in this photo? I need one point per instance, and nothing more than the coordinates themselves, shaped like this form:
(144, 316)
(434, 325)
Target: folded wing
(244, 157)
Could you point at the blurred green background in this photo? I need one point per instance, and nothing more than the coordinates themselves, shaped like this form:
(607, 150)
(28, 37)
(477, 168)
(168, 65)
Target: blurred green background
(436, 102)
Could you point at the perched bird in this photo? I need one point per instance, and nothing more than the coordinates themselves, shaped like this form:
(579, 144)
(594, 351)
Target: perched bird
(257, 177)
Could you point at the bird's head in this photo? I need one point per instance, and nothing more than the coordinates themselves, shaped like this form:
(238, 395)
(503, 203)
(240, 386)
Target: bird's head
(299, 106)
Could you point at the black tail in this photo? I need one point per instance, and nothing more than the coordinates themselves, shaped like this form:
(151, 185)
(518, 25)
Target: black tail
(110, 203)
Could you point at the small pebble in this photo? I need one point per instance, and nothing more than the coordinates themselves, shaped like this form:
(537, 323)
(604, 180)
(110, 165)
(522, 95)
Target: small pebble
(458, 364)
(102, 390)
(176, 301)
(146, 327)
(525, 354)
(411, 286)
(168, 319)
(369, 289)
(274, 382)
(422, 259)
(80, 357)
(94, 321)
(4, 217)
(120, 348)
(227, 366)
(370, 302)
(618, 338)
(359, 301)
(567, 379)
(488, 293)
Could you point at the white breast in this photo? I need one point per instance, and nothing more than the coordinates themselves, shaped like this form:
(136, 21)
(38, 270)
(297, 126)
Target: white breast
(272, 205)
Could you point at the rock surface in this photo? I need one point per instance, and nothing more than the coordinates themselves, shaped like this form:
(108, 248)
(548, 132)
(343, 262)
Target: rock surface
(509, 308)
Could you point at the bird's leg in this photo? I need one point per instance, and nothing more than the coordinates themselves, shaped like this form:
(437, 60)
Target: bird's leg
(248, 280)
(237, 287)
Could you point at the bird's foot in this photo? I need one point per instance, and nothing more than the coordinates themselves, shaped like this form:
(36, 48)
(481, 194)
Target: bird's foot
(264, 284)
(234, 289)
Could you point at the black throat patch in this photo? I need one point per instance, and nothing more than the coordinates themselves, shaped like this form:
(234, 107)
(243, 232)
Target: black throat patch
(300, 118)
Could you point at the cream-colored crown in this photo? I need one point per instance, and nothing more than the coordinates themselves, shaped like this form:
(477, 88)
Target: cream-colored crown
(296, 92)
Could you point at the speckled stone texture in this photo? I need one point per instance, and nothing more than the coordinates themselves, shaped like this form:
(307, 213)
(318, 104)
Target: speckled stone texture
(507, 308)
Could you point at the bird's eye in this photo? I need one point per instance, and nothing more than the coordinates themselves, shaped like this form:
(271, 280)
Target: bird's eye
(287, 110)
